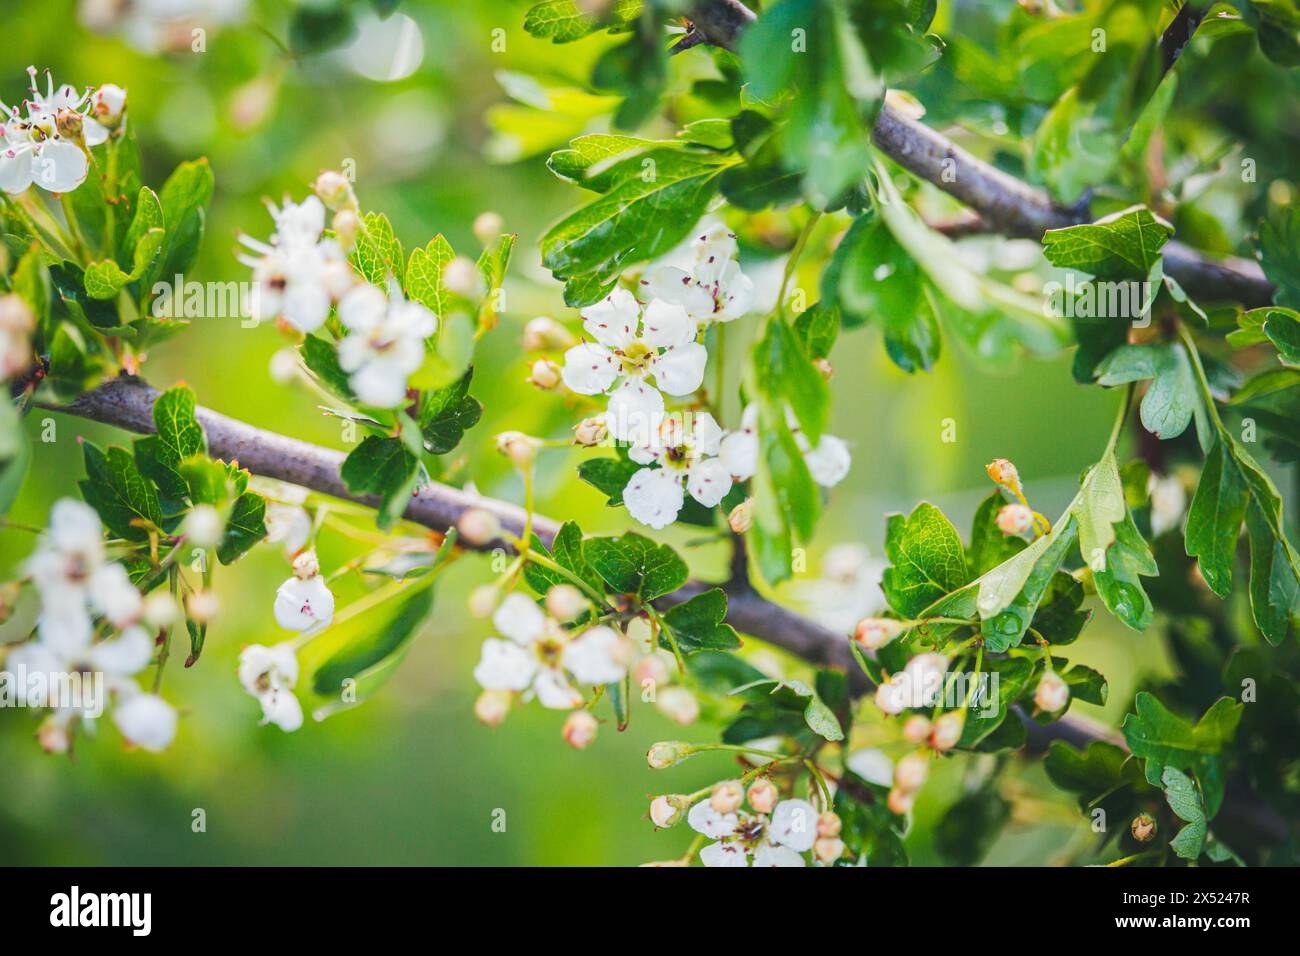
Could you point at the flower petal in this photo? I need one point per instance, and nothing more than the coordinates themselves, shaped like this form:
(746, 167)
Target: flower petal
(300, 605)
(708, 481)
(769, 855)
(363, 308)
(59, 166)
(590, 656)
(15, 170)
(680, 370)
(666, 325)
(504, 665)
(729, 854)
(706, 435)
(612, 321)
(654, 496)
(589, 369)
(634, 413)
(794, 824)
(553, 691)
(739, 454)
(147, 721)
(829, 462)
(125, 655)
(702, 818)
(519, 618)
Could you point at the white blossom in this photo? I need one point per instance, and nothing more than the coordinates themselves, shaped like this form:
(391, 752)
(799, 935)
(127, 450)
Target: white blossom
(756, 839)
(146, 720)
(385, 343)
(635, 346)
(682, 459)
(714, 290)
(828, 461)
(269, 674)
(42, 147)
(304, 602)
(1168, 503)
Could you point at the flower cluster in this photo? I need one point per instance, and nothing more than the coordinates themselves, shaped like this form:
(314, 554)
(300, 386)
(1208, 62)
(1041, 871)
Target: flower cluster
(714, 289)
(681, 457)
(771, 833)
(385, 342)
(77, 587)
(828, 461)
(48, 145)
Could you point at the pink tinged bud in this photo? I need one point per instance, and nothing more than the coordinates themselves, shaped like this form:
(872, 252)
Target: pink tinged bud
(284, 366)
(828, 849)
(741, 516)
(590, 432)
(679, 705)
(1003, 473)
(1015, 519)
(333, 189)
(488, 226)
(824, 367)
(652, 668)
(479, 527)
(202, 606)
(666, 753)
(53, 736)
(829, 824)
(727, 796)
(564, 602)
(763, 796)
(107, 104)
(876, 632)
(1144, 827)
(306, 566)
(493, 706)
(460, 276)
(346, 225)
(668, 810)
(891, 697)
(545, 375)
(521, 449)
(1053, 693)
(947, 731)
(544, 334)
(911, 771)
(483, 601)
(916, 729)
(900, 802)
(580, 729)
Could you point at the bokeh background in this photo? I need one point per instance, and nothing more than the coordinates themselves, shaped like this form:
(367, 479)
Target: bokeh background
(411, 777)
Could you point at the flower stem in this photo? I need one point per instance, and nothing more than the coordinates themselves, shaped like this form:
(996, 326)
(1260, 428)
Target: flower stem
(793, 260)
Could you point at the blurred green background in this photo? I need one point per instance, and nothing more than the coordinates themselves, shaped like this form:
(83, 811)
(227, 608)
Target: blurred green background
(411, 777)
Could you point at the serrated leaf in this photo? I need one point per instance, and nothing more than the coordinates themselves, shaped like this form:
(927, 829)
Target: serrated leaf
(563, 21)
(700, 624)
(117, 490)
(1124, 245)
(447, 413)
(378, 254)
(424, 275)
(245, 526)
(927, 560)
(635, 565)
(382, 466)
(1163, 739)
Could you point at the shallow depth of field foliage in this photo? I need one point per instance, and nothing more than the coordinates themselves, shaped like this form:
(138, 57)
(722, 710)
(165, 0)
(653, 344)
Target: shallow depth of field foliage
(907, 424)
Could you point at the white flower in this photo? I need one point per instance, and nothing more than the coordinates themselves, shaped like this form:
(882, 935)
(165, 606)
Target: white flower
(828, 462)
(42, 148)
(113, 595)
(297, 274)
(287, 525)
(1168, 502)
(1052, 693)
(269, 674)
(16, 326)
(872, 765)
(714, 290)
(685, 455)
(107, 104)
(304, 603)
(539, 651)
(386, 343)
(146, 720)
(659, 344)
(746, 839)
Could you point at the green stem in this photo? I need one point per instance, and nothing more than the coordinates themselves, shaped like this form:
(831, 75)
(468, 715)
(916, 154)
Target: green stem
(1118, 428)
(793, 261)
(1201, 379)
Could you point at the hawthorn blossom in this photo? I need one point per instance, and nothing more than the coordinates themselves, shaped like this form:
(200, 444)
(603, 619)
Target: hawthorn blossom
(683, 458)
(385, 344)
(1168, 503)
(269, 675)
(635, 346)
(537, 652)
(828, 461)
(714, 290)
(304, 602)
(756, 839)
(17, 322)
(297, 274)
(45, 147)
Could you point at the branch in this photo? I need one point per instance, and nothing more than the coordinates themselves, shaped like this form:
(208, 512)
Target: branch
(128, 403)
(1005, 203)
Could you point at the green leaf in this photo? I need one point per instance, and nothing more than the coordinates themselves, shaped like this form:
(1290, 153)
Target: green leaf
(1125, 245)
(1282, 328)
(563, 21)
(121, 495)
(784, 375)
(1214, 519)
(31, 282)
(367, 655)
(609, 475)
(1004, 628)
(1099, 507)
(566, 550)
(927, 561)
(1163, 739)
(700, 624)
(382, 466)
(178, 429)
(1172, 399)
(971, 825)
(1279, 254)
(322, 360)
(424, 275)
(15, 455)
(1185, 800)
(184, 199)
(817, 327)
(636, 565)
(245, 526)
(378, 254)
(1102, 776)
(447, 413)
(989, 544)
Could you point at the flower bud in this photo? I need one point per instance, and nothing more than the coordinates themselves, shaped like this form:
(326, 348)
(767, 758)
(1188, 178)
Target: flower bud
(1053, 693)
(727, 796)
(916, 729)
(741, 516)
(478, 526)
(828, 849)
(947, 730)
(347, 226)
(1015, 519)
(824, 368)
(203, 526)
(829, 824)
(460, 276)
(911, 771)
(580, 729)
(667, 753)
(900, 802)
(284, 366)
(333, 189)
(53, 737)
(1003, 473)
(202, 606)
(492, 706)
(891, 697)
(251, 102)
(306, 566)
(564, 602)
(521, 449)
(545, 375)
(70, 124)
(544, 334)
(488, 226)
(876, 632)
(107, 104)
(482, 601)
(678, 704)
(1144, 827)
(651, 668)
(668, 810)
(160, 610)
(763, 796)
(590, 432)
